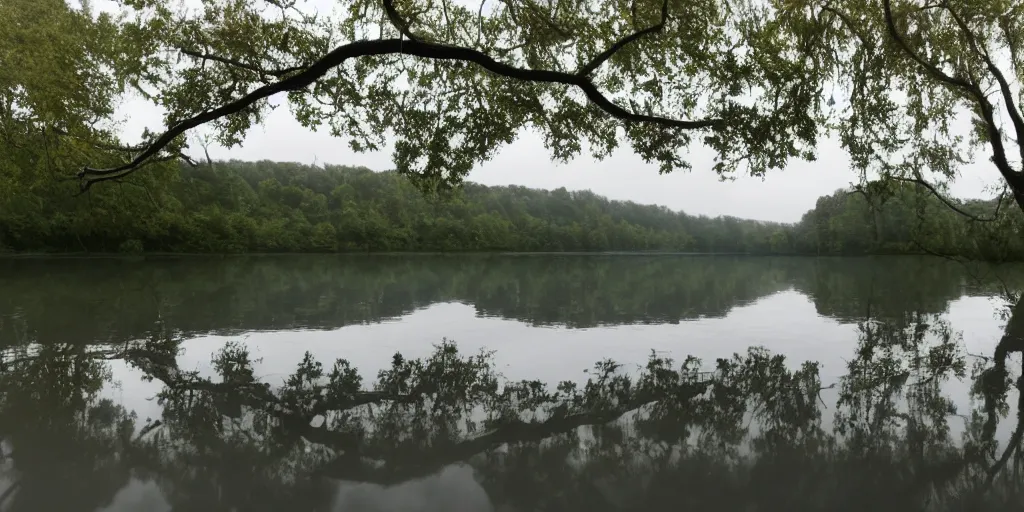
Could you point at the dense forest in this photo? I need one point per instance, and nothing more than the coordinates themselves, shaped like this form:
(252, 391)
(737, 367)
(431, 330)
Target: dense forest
(234, 206)
(899, 218)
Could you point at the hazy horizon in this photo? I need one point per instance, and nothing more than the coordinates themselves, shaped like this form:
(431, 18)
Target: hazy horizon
(782, 196)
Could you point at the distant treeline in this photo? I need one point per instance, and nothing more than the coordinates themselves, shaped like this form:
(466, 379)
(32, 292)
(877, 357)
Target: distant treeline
(234, 206)
(900, 218)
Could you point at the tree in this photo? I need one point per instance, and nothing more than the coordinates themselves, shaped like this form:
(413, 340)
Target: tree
(905, 71)
(61, 73)
(452, 83)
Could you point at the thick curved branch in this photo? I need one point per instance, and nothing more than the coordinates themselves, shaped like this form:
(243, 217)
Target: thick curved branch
(427, 50)
(850, 25)
(932, 69)
(1012, 177)
(931, 188)
(1004, 86)
(397, 21)
(84, 185)
(602, 57)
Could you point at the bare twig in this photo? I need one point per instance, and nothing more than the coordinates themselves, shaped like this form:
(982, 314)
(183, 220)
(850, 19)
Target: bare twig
(84, 185)
(480, 23)
(149, 428)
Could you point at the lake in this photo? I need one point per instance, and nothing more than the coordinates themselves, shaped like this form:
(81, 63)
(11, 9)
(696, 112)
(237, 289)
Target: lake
(213, 383)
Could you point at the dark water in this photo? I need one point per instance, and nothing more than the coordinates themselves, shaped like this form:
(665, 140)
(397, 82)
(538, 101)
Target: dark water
(271, 383)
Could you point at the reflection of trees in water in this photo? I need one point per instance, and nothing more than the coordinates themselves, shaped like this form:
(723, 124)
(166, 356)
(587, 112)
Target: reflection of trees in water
(748, 435)
(116, 300)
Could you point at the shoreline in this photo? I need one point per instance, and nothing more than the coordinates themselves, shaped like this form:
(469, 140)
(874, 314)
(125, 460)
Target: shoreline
(164, 255)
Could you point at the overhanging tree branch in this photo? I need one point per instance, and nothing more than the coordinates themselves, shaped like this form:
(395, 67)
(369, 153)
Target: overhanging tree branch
(397, 20)
(931, 188)
(850, 25)
(434, 51)
(932, 69)
(1004, 86)
(626, 41)
(1012, 177)
(172, 154)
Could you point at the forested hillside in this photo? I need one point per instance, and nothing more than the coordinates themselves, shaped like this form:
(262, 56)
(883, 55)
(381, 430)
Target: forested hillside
(283, 207)
(69, 183)
(234, 206)
(896, 218)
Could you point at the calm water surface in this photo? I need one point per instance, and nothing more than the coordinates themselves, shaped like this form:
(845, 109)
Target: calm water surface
(117, 393)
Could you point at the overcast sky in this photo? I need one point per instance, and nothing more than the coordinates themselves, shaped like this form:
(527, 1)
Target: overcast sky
(781, 196)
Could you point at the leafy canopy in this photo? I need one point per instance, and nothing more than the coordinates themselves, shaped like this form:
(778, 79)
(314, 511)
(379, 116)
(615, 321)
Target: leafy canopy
(451, 82)
(906, 74)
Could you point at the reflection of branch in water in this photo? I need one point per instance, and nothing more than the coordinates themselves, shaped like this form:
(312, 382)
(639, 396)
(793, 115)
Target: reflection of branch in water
(1015, 439)
(9, 492)
(970, 266)
(993, 385)
(419, 464)
(149, 428)
(423, 407)
(399, 467)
